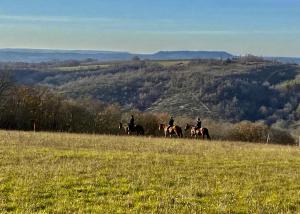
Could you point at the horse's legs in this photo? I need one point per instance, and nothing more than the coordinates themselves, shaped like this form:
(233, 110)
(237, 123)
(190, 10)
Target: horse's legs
(208, 136)
(177, 134)
(196, 135)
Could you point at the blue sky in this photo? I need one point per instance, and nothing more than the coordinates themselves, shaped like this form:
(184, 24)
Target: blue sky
(262, 27)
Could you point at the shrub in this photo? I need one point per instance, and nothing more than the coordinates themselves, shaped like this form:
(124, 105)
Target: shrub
(149, 122)
(257, 132)
(249, 132)
(278, 136)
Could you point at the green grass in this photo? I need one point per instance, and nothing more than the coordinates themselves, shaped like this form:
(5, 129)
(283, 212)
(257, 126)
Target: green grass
(81, 67)
(168, 63)
(69, 173)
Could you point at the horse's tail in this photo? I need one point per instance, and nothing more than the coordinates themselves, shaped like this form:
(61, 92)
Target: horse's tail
(180, 134)
(140, 130)
(208, 136)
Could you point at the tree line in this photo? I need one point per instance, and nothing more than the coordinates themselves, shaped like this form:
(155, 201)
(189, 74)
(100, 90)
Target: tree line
(31, 108)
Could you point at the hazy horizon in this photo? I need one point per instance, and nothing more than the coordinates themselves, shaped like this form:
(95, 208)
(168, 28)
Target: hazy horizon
(124, 51)
(260, 27)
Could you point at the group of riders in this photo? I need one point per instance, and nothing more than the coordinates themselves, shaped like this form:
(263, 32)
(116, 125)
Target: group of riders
(170, 129)
(198, 125)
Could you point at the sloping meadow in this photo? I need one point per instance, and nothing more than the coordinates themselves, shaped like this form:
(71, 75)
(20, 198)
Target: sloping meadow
(67, 173)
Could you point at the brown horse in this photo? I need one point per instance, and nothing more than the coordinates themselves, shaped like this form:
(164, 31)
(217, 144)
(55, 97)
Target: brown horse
(198, 132)
(174, 130)
(138, 129)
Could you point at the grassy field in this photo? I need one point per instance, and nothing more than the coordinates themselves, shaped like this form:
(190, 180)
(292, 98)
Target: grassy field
(166, 63)
(172, 62)
(81, 67)
(69, 173)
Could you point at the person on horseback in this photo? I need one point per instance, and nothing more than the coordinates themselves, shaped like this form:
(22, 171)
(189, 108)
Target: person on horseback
(198, 123)
(131, 123)
(171, 123)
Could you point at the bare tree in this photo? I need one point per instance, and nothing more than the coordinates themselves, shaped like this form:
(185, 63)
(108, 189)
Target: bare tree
(5, 83)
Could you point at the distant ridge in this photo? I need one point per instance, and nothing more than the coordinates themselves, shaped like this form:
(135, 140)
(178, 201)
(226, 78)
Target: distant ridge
(42, 55)
(191, 55)
(285, 59)
(45, 55)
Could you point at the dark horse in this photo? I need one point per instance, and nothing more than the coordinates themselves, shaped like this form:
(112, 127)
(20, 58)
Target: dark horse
(138, 129)
(174, 130)
(198, 132)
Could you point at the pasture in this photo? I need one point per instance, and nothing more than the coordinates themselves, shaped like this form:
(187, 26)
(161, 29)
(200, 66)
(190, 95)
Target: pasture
(72, 173)
(81, 68)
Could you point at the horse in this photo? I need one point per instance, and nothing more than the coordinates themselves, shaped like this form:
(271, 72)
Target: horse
(197, 132)
(173, 130)
(138, 129)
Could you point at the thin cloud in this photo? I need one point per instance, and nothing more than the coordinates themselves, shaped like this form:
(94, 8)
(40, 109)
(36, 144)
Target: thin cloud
(35, 18)
(153, 26)
(76, 19)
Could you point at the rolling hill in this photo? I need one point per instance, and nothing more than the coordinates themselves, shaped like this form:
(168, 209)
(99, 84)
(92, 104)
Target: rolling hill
(40, 55)
(220, 90)
(46, 55)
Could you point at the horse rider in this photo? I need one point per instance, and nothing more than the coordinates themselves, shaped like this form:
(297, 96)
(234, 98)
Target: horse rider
(198, 123)
(171, 123)
(131, 123)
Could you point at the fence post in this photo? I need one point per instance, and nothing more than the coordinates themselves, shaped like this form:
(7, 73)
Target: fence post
(33, 125)
(268, 138)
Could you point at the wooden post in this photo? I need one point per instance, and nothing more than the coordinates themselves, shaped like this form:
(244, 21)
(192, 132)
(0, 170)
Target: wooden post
(268, 138)
(33, 125)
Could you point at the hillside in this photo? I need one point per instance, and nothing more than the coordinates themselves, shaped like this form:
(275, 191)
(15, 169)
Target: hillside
(220, 90)
(40, 55)
(48, 55)
(64, 173)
